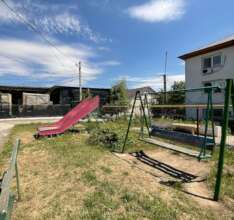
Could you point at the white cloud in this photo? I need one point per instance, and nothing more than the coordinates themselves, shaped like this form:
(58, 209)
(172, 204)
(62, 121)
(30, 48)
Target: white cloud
(156, 81)
(110, 63)
(69, 24)
(102, 48)
(50, 18)
(62, 23)
(6, 16)
(37, 61)
(158, 10)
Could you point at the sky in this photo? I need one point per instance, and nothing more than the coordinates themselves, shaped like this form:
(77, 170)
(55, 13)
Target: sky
(114, 40)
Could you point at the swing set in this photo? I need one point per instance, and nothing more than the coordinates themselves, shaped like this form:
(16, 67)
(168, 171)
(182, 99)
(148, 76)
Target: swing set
(205, 142)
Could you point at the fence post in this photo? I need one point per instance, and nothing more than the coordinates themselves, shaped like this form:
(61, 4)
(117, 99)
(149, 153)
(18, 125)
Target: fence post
(17, 171)
(229, 85)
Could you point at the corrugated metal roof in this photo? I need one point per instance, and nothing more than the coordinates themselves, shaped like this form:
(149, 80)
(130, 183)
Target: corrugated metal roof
(5, 88)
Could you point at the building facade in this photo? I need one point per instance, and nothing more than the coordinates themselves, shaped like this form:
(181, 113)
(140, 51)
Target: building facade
(33, 101)
(208, 66)
(143, 90)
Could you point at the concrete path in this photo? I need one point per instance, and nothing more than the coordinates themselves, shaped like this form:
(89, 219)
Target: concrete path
(4, 132)
(7, 124)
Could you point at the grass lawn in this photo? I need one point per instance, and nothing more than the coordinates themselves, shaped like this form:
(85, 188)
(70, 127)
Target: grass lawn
(67, 177)
(227, 192)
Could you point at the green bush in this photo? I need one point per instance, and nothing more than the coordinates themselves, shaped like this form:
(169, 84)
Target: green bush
(109, 135)
(90, 126)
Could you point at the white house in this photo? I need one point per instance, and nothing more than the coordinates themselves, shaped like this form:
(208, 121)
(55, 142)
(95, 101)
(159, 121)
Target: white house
(143, 90)
(208, 66)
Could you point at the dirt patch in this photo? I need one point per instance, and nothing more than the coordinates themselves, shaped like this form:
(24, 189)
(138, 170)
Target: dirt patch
(170, 163)
(26, 137)
(127, 174)
(196, 188)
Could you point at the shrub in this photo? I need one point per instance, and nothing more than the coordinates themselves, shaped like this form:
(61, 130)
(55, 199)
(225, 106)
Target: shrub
(109, 135)
(90, 126)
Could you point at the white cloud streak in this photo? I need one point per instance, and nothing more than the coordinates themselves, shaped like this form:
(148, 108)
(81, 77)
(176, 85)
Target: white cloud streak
(37, 61)
(158, 10)
(7, 16)
(52, 19)
(155, 81)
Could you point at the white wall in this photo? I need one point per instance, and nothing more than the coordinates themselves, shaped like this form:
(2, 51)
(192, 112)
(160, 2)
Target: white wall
(195, 78)
(137, 111)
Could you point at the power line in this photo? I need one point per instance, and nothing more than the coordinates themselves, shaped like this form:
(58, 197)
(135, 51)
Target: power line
(34, 28)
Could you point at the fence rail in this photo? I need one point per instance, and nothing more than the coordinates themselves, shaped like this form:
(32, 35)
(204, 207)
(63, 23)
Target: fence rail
(6, 196)
(7, 111)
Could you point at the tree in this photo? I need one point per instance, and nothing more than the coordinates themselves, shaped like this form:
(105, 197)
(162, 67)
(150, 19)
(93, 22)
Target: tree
(118, 99)
(177, 97)
(119, 94)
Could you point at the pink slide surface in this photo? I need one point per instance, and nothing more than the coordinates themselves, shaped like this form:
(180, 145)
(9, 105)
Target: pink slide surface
(71, 118)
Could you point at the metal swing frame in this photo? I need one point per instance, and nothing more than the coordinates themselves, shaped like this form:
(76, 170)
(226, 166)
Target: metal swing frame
(229, 98)
(146, 121)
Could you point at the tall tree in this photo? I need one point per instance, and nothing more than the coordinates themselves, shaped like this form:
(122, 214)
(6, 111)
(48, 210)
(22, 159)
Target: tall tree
(175, 96)
(119, 94)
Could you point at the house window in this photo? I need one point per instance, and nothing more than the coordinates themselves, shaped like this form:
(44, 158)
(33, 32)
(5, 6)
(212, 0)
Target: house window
(217, 61)
(210, 63)
(207, 63)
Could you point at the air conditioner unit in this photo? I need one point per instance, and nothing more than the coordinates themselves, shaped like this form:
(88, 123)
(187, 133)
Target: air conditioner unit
(219, 83)
(207, 70)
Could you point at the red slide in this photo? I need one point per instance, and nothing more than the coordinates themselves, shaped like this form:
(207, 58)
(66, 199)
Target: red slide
(71, 118)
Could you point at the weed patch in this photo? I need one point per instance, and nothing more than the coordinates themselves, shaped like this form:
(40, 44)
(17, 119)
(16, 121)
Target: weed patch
(228, 174)
(106, 170)
(89, 177)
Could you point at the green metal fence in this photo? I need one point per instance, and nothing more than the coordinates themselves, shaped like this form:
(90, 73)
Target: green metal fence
(7, 197)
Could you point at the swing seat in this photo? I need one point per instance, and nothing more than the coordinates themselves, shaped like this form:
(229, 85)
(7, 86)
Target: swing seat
(186, 138)
(173, 147)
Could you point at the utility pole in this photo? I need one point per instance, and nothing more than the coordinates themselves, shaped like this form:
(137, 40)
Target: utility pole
(165, 80)
(80, 83)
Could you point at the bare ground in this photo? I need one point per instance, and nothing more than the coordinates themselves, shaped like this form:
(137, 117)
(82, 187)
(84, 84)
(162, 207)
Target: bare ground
(197, 189)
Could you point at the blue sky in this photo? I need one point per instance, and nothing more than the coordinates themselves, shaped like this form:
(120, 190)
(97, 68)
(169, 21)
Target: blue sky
(113, 39)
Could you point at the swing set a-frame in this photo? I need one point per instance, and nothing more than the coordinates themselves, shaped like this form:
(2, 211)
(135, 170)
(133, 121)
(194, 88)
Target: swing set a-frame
(145, 119)
(209, 118)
